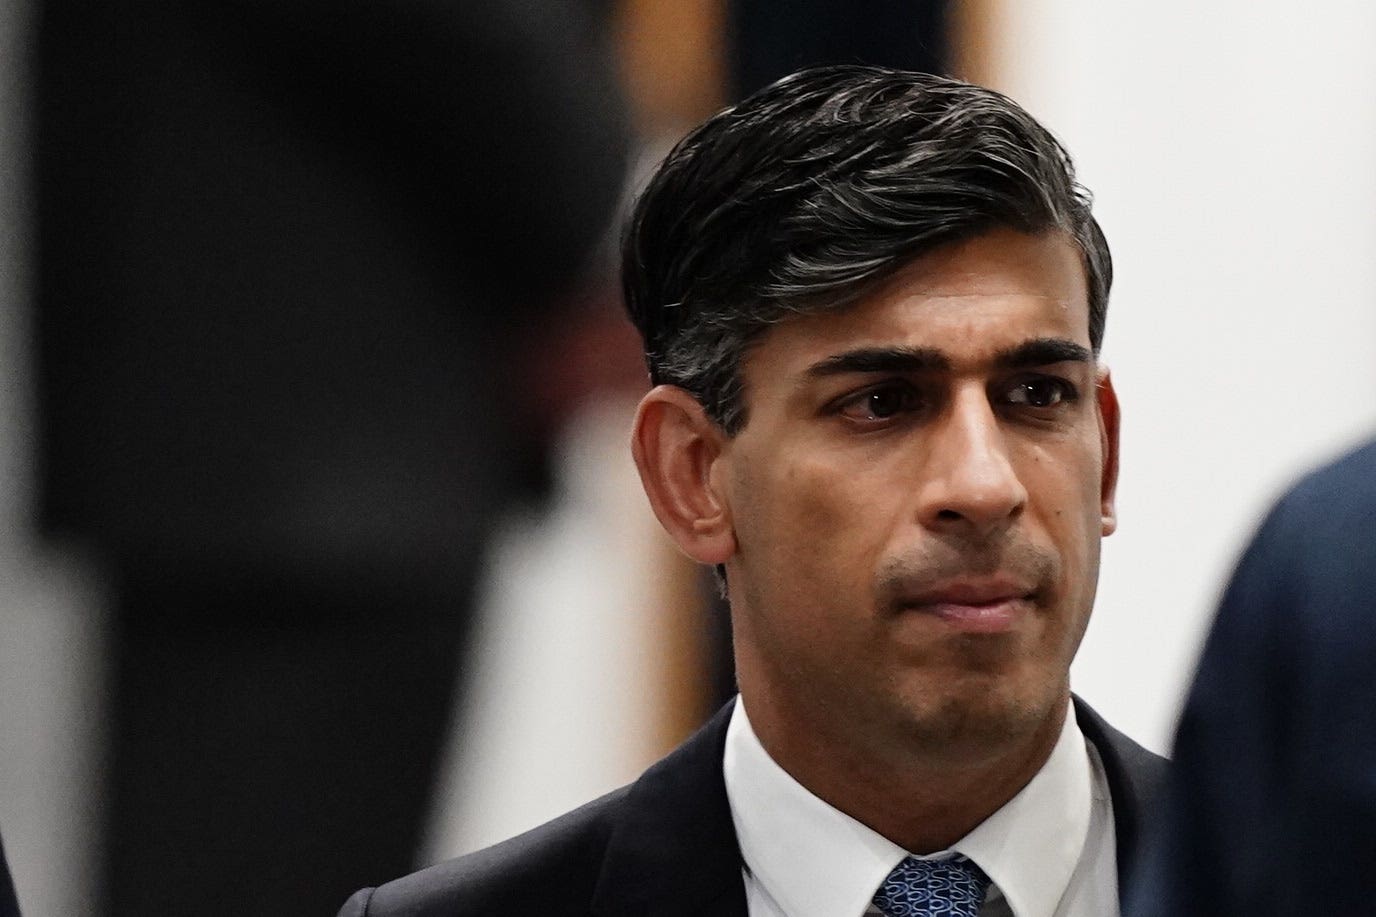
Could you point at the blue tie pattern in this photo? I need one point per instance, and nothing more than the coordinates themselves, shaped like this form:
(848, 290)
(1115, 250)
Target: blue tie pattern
(952, 887)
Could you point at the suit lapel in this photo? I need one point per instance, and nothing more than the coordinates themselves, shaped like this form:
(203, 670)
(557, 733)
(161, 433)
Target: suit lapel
(673, 848)
(1135, 780)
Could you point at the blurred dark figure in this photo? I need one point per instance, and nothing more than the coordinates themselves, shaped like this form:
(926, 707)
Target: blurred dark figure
(772, 38)
(288, 250)
(1272, 809)
(9, 903)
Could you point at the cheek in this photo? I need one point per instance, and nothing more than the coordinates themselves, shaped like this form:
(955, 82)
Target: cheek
(814, 501)
(1069, 472)
(1066, 491)
(805, 521)
(1063, 484)
(837, 496)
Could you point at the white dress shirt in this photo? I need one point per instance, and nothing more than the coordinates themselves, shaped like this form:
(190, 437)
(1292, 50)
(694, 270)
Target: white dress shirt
(1049, 850)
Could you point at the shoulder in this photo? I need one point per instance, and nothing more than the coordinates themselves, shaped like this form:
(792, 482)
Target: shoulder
(1348, 483)
(1326, 510)
(665, 844)
(563, 856)
(1304, 584)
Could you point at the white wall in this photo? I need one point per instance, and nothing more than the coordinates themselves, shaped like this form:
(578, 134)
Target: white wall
(1231, 146)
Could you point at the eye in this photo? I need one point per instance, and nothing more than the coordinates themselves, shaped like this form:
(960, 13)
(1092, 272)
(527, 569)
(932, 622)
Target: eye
(1041, 392)
(880, 402)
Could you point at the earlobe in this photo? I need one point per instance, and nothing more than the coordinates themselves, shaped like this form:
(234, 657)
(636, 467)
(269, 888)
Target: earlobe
(675, 446)
(1108, 437)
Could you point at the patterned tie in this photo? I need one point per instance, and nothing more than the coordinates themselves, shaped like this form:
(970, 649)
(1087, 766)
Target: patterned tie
(952, 887)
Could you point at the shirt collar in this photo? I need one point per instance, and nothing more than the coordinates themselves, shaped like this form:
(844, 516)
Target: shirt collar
(1031, 846)
(817, 861)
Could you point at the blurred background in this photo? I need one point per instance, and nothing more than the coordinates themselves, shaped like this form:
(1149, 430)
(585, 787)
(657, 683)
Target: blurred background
(321, 552)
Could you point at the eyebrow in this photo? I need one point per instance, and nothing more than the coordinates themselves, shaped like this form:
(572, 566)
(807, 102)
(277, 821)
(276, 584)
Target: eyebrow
(881, 360)
(1043, 352)
(1036, 352)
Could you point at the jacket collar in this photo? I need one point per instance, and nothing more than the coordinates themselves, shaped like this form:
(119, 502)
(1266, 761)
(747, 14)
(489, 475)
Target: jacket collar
(1135, 780)
(673, 849)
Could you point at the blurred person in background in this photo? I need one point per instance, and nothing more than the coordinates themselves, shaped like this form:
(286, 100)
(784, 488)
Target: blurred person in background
(872, 303)
(1271, 804)
(288, 254)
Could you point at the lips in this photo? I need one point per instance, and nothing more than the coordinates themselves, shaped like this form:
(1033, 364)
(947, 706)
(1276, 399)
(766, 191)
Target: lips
(974, 606)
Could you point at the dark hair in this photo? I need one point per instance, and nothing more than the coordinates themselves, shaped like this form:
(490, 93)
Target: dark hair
(815, 189)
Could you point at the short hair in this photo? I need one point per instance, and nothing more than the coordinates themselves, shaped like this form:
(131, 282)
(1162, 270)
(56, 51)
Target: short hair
(811, 192)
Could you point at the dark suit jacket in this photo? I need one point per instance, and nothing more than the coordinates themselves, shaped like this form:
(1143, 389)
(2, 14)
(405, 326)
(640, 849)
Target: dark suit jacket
(665, 845)
(1272, 803)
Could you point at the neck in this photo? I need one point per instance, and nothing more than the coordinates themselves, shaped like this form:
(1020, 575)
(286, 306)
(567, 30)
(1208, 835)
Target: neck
(922, 799)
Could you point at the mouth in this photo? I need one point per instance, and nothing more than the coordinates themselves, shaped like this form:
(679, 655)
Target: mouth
(974, 606)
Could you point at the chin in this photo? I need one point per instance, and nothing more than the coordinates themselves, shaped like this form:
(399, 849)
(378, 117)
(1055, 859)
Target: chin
(977, 714)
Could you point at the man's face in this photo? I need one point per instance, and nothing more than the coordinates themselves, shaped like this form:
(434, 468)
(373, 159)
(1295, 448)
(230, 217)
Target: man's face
(917, 499)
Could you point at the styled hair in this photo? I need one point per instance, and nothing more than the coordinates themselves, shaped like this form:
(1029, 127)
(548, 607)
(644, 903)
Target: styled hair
(816, 189)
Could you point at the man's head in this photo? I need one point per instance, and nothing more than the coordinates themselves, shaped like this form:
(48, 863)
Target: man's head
(807, 194)
(873, 302)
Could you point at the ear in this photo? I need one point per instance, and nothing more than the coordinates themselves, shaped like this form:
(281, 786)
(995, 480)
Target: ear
(675, 445)
(1108, 438)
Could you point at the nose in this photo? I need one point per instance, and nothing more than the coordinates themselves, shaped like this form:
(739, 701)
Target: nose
(969, 484)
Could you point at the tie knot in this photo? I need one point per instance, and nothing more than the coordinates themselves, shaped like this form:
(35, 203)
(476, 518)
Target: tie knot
(951, 887)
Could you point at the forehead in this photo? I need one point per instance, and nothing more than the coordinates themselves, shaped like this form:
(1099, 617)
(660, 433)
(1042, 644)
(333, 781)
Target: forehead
(969, 300)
